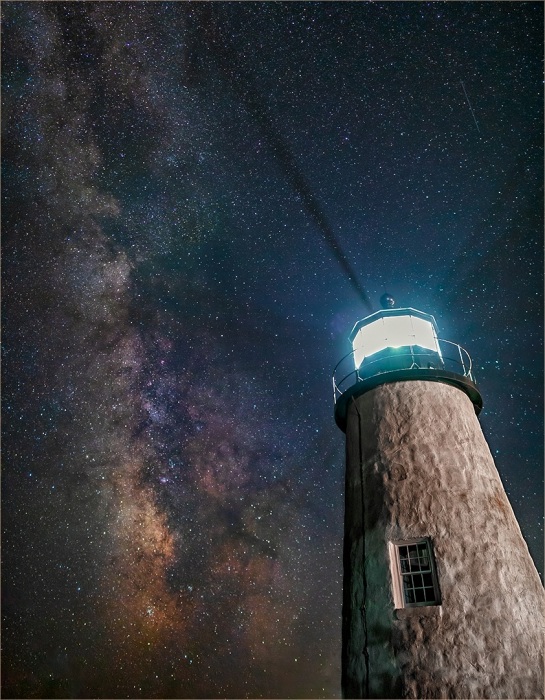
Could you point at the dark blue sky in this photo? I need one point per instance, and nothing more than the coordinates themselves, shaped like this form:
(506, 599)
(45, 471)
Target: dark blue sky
(180, 181)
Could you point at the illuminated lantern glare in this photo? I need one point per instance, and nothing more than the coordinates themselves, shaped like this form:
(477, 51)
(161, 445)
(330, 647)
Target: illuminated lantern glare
(393, 328)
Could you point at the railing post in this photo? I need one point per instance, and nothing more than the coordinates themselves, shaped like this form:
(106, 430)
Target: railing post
(462, 359)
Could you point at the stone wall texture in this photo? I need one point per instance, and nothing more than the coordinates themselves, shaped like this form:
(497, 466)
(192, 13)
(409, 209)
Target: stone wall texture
(417, 465)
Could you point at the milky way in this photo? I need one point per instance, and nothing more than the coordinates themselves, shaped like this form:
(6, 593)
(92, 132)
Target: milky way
(173, 477)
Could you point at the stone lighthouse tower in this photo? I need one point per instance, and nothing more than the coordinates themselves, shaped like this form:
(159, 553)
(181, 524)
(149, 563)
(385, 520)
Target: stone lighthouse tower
(441, 598)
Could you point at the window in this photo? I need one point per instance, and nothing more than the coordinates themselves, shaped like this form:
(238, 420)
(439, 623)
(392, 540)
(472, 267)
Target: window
(413, 574)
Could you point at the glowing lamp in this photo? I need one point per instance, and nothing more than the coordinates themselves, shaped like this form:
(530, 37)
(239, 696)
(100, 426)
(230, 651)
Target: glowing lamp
(394, 329)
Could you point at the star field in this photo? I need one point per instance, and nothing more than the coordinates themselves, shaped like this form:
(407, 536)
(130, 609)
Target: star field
(180, 183)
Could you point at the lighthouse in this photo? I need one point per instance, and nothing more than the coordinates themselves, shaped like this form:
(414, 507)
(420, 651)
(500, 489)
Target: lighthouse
(441, 598)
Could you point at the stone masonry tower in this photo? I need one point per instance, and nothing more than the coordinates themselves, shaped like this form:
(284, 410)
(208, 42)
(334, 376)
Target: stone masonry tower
(441, 598)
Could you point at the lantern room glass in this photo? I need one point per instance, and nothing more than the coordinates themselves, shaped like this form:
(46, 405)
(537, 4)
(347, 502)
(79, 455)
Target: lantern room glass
(394, 331)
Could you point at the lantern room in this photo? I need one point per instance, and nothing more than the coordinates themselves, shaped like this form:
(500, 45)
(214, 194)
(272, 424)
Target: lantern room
(399, 344)
(399, 337)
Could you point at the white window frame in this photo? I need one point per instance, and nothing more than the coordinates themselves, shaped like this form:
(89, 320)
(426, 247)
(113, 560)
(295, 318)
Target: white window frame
(398, 575)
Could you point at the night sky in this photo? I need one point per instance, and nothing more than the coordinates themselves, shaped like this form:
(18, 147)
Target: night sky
(186, 190)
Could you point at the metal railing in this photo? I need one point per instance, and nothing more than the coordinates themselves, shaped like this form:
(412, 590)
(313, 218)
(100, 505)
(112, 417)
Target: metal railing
(451, 358)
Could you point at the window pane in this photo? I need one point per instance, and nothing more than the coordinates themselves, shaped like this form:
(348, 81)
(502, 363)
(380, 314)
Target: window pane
(424, 557)
(409, 597)
(428, 581)
(430, 594)
(407, 584)
(419, 594)
(415, 564)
